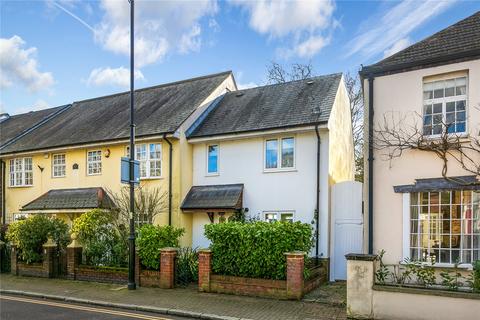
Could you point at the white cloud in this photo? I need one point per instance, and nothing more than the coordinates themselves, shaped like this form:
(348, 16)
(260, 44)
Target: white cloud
(160, 27)
(119, 77)
(304, 23)
(19, 65)
(382, 31)
(397, 46)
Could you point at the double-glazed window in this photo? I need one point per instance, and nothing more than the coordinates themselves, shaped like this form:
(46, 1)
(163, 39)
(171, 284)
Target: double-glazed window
(58, 165)
(272, 216)
(212, 159)
(444, 106)
(21, 172)
(280, 153)
(150, 158)
(94, 162)
(445, 226)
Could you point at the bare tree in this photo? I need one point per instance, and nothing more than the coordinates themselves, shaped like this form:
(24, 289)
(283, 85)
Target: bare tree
(399, 133)
(355, 94)
(277, 73)
(149, 202)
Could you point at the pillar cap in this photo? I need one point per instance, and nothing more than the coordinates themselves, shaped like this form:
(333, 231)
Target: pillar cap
(169, 249)
(295, 253)
(361, 257)
(75, 243)
(50, 243)
(205, 250)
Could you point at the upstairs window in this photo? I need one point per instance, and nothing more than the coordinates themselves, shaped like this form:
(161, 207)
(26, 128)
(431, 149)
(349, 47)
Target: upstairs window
(21, 172)
(94, 162)
(280, 153)
(58, 165)
(444, 106)
(212, 159)
(150, 157)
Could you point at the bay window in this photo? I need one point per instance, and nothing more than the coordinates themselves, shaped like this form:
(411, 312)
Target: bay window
(445, 226)
(444, 106)
(21, 172)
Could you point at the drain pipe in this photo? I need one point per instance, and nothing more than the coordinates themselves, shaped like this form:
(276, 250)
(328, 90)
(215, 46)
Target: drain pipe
(3, 184)
(317, 205)
(169, 179)
(370, 164)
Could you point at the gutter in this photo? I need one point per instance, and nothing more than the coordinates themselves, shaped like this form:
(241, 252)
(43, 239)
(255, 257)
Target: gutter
(3, 183)
(317, 204)
(170, 162)
(370, 163)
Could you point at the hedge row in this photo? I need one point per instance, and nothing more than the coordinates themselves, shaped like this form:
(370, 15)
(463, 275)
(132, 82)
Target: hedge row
(256, 250)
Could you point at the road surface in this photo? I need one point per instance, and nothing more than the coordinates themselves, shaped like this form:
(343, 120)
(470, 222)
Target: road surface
(19, 308)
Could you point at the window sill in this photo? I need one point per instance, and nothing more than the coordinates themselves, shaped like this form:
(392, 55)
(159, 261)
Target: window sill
(93, 174)
(22, 186)
(279, 170)
(59, 177)
(464, 135)
(151, 178)
(212, 174)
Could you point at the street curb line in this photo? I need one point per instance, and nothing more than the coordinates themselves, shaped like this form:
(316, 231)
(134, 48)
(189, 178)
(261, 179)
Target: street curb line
(167, 311)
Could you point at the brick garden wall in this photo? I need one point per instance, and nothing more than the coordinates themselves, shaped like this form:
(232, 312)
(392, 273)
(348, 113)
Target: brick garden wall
(88, 273)
(248, 286)
(31, 270)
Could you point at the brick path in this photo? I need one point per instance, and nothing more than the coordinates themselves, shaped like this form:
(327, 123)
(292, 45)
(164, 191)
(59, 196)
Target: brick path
(183, 299)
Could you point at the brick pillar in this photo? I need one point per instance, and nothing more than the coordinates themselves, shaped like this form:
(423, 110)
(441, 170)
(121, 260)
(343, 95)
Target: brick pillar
(74, 257)
(167, 267)
(360, 281)
(204, 270)
(295, 266)
(14, 260)
(49, 254)
(137, 268)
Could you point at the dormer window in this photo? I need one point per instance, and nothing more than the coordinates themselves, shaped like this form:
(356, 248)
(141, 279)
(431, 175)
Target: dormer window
(444, 106)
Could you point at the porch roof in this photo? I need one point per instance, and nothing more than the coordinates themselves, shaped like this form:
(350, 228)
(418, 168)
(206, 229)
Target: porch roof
(63, 199)
(227, 196)
(439, 184)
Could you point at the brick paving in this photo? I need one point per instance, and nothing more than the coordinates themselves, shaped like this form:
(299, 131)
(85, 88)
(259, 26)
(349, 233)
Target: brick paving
(188, 299)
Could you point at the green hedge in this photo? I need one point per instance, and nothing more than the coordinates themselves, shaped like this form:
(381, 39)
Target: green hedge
(256, 250)
(153, 238)
(30, 234)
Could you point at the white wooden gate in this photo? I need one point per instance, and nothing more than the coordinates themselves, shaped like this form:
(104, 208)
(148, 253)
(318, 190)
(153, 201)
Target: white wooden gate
(347, 226)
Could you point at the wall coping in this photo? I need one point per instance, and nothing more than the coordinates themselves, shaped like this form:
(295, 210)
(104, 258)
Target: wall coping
(295, 253)
(428, 291)
(204, 251)
(169, 249)
(361, 257)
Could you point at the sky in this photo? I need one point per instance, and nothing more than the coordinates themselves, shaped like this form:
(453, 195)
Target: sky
(55, 52)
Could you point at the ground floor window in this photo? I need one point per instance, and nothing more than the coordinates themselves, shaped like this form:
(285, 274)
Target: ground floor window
(445, 226)
(271, 216)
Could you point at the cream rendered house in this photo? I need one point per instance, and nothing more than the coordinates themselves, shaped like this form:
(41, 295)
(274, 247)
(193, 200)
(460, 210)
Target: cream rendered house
(65, 160)
(413, 211)
(275, 152)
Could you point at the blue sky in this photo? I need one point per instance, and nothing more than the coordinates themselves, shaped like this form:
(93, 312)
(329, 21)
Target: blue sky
(57, 52)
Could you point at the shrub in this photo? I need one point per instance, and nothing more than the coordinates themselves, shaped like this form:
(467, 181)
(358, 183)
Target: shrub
(30, 234)
(476, 276)
(152, 238)
(187, 266)
(256, 249)
(105, 242)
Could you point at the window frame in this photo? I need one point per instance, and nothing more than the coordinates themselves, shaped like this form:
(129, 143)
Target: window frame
(22, 173)
(278, 214)
(444, 100)
(406, 245)
(147, 159)
(59, 165)
(216, 173)
(99, 162)
(279, 167)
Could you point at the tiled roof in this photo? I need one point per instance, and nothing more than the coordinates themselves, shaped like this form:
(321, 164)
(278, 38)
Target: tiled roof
(82, 198)
(438, 184)
(295, 103)
(459, 41)
(158, 110)
(15, 125)
(227, 196)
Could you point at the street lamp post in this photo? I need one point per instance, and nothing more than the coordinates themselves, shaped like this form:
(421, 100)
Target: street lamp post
(131, 238)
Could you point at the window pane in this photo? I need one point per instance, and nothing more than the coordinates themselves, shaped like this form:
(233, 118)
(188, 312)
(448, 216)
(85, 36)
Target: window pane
(155, 151)
(286, 217)
(287, 152)
(271, 154)
(461, 86)
(449, 88)
(270, 217)
(213, 159)
(438, 89)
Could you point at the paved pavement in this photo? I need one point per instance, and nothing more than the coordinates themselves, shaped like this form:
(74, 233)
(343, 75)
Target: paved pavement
(19, 308)
(189, 300)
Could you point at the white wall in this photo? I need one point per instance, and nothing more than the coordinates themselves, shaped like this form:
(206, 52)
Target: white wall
(241, 161)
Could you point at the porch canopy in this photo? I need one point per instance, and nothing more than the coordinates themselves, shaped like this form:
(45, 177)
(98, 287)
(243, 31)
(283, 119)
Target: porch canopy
(439, 184)
(70, 200)
(224, 197)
